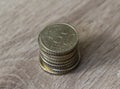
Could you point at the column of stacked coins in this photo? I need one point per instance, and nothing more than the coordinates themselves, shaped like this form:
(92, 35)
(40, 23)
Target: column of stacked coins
(58, 48)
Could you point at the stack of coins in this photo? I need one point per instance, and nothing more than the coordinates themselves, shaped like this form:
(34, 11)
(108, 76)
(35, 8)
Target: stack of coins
(58, 48)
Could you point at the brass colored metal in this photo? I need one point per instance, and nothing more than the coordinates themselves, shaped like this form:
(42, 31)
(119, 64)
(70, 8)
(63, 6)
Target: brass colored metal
(59, 52)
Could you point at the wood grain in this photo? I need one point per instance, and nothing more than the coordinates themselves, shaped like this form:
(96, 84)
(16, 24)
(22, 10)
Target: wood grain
(98, 24)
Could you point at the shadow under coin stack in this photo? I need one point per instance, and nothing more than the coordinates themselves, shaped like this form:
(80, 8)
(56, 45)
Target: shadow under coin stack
(58, 48)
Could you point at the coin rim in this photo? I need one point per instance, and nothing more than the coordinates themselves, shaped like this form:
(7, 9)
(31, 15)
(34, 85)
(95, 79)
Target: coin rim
(59, 58)
(59, 72)
(72, 61)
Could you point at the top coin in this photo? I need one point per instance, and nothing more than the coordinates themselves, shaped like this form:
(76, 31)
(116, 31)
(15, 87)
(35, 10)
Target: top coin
(58, 38)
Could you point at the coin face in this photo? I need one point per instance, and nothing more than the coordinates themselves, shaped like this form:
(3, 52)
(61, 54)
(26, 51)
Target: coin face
(58, 38)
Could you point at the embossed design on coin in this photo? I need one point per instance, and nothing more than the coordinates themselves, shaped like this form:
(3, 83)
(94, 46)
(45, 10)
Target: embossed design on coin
(58, 38)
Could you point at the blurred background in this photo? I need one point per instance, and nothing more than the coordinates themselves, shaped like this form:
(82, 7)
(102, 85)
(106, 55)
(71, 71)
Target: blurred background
(98, 26)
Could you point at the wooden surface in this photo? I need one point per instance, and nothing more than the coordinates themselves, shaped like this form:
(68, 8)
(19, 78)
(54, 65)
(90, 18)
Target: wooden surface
(98, 24)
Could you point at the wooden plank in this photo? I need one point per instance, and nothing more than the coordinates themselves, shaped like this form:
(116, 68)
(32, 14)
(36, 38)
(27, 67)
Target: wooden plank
(98, 24)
